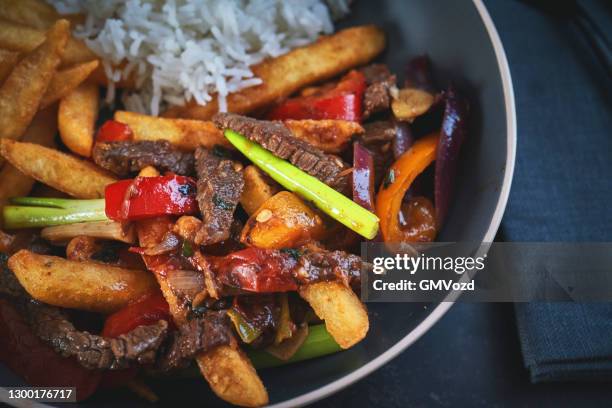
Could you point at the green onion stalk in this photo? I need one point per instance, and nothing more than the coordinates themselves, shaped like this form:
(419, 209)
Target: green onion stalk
(318, 343)
(333, 203)
(36, 212)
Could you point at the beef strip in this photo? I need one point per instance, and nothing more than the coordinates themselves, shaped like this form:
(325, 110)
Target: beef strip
(126, 157)
(278, 139)
(220, 184)
(198, 334)
(291, 268)
(140, 345)
(377, 97)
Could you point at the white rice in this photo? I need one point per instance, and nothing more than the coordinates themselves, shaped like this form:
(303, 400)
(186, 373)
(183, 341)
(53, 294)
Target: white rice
(179, 50)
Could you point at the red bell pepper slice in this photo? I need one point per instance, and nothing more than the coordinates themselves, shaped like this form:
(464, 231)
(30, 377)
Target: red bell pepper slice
(35, 361)
(146, 197)
(145, 311)
(343, 102)
(256, 270)
(113, 131)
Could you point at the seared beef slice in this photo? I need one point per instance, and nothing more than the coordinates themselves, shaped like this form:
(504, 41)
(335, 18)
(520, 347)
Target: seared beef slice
(278, 139)
(127, 157)
(377, 97)
(220, 184)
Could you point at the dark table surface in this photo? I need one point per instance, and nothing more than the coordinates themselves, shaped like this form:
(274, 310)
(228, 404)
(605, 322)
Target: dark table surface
(472, 356)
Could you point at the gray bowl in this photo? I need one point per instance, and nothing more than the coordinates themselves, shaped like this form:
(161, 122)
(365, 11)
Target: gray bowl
(463, 44)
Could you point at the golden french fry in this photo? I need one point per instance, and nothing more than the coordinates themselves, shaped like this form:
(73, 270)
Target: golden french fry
(16, 37)
(8, 60)
(22, 91)
(345, 316)
(232, 376)
(32, 13)
(59, 170)
(77, 116)
(183, 133)
(92, 286)
(257, 189)
(300, 67)
(66, 80)
(41, 131)
(282, 221)
(331, 136)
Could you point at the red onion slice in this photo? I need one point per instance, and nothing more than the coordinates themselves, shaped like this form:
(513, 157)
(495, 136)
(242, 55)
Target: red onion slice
(452, 135)
(363, 177)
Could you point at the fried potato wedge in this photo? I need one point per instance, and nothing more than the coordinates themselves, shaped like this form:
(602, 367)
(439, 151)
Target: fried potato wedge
(59, 170)
(300, 67)
(258, 187)
(41, 131)
(23, 89)
(78, 112)
(183, 133)
(346, 318)
(232, 376)
(16, 37)
(282, 221)
(88, 286)
(8, 60)
(32, 13)
(331, 136)
(66, 80)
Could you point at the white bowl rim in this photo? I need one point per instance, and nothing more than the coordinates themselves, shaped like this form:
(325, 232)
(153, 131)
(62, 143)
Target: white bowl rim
(442, 308)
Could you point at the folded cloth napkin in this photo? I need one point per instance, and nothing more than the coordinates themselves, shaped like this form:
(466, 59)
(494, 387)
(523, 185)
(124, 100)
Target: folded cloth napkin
(562, 189)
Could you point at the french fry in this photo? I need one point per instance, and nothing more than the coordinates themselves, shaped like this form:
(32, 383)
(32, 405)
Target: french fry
(8, 60)
(331, 136)
(16, 37)
(22, 91)
(88, 286)
(59, 170)
(300, 67)
(41, 131)
(257, 189)
(78, 112)
(227, 369)
(32, 13)
(66, 80)
(183, 133)
(282, 221)
(232, 376)
(345, 316)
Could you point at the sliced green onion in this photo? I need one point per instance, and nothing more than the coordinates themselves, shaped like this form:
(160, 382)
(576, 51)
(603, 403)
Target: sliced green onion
(293, 179)
(35, 212)
(318, 343)
(247, 332)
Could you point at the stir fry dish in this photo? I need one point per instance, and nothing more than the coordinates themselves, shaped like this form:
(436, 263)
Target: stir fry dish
(136, 245)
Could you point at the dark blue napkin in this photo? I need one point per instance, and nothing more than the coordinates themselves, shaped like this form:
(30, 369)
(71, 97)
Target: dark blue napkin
(562, 188)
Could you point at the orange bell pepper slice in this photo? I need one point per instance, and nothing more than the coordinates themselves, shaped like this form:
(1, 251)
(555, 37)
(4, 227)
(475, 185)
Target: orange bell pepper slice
(398, 180)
